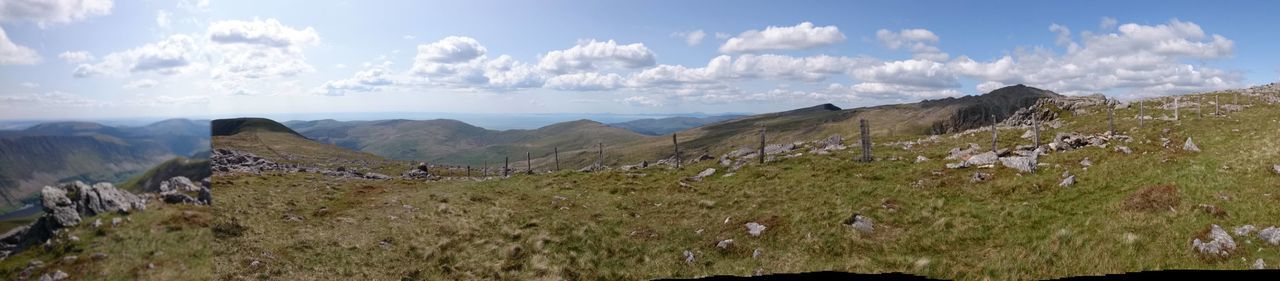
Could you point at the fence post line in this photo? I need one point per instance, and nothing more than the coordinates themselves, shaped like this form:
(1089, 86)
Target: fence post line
(762, 132)
(557, 156)
(528, 162)
(1035, 128)
(865, 140)
(676, 143)
(994, 135)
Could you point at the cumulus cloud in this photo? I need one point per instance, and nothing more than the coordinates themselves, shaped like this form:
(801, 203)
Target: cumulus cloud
(799, 37)
(587, 81)
(141, 84)
(920, 42)
(592, 55)
(76, 56)
(172, 55)
(1107, 23)
(1140, 59)
(917, 73)
(452, 49)
(11, 53)
(49, 12)
(368, 80)
(646, 101)
(30, 85)
(260, 48)
(692, 38)
(774, 67)
(53, 98)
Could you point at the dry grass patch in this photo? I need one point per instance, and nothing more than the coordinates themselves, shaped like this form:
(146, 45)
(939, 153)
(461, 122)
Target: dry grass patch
(1153, 199)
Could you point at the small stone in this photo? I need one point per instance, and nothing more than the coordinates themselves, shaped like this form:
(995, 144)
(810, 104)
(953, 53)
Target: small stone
(756, 254)
(1244, 230)
(1190, 146)
(99, 256)
(921, 158)
(1123, 149)
(70, 259)
(1270, 235)
(1219, 243)
(1086, 162)
(860, 223)
(1276, 168)
(705, 173)
(980, 177)
(115, 222)
(724, 244)
(96, 223)
(688, 256)
(1130, 238)
(55, 276)
(1067, 182)
(755, 229)
(1259, 264)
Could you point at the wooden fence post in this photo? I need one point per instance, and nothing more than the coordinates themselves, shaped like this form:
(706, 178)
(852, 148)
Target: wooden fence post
(762, 132)
(1140, 114)
(1111, 119)
(993, 133)
(1035, 128)
(865, 141)
(506, 166)
(676, 143)
(468, 171)
(557, 156)
(528, 162)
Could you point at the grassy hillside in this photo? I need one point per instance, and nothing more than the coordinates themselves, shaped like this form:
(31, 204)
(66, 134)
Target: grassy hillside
(663, 126)
(149, 181)
(288, 148)
(165, 242)
(929, 220)
(228, 127)
(455, 142)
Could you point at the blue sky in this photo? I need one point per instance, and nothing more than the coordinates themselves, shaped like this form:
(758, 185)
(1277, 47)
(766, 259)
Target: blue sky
(86, 59)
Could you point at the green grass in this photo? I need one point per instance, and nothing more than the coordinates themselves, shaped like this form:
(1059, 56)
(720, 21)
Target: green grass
(176, 239)
(635, 225)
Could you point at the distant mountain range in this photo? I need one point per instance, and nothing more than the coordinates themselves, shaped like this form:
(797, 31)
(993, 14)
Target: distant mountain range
(455, 142)
(47, 153)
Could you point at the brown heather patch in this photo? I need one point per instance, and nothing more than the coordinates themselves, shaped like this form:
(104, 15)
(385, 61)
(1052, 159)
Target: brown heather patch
(1153, 199)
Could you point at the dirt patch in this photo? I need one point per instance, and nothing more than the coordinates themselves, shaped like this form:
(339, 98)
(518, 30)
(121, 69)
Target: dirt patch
(228, 229)
(187, 219)
(1153, 199)
(368, 190)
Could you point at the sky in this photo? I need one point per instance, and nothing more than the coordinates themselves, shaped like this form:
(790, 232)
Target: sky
(94, 59)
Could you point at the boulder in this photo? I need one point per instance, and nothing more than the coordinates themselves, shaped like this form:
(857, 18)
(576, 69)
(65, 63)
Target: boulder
(1218, 244)
(1024, 164)
(1244, 230)
(705, 173)
(725, 244)
(1271, 235)
(1067, 182)
(60, 209)
(1259, 264)
(985, 158)
(1190, 146)
(860, 223)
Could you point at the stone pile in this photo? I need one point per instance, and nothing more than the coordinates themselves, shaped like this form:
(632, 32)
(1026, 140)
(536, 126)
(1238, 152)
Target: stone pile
(180, 190)
(65, 206)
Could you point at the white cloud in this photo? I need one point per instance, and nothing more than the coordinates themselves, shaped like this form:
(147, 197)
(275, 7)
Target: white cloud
(270, 33)
(194, 5)
(48, 99)
(49, 12)
(1064, 34)
(76, 56)
(921, 43)
(260, 49)
(587, 81)
(774, 67)
(1136, 60)
(722, 35)
(369, 80)
(409, 37)
(173, 55)
(988, 86)
(643, 101)
(1107, 23)
(917, 73)
(29, 85)
(452, 49)
(141, 84)
(592, 55)
(162, 18)
(11, 53)
(692, 38)
(774, 38)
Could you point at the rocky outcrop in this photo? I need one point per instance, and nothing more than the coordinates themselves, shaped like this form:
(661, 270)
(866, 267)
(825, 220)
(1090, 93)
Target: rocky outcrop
(180, 190)
(1217, 244)
(231, 161)
(65, 206)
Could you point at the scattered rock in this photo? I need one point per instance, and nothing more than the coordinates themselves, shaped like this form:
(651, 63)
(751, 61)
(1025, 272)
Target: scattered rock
(980, 177)
(756, 254)
(1213, 210)
(688, 256)
(59, 275)
(1123, 149)
(860, 223)
(1024, 164)
(705, 173)
(115, 222)
(96, 223)
(921, 158)
(1086, 162)
(1130, 238)
(99, 256)
(755, 229)
(1276, 168)
(1190, 146)
(1244, 230)
(1068, 181)
(1259, 264)
(1218, 244)
(724, 244)
(1270, 235)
